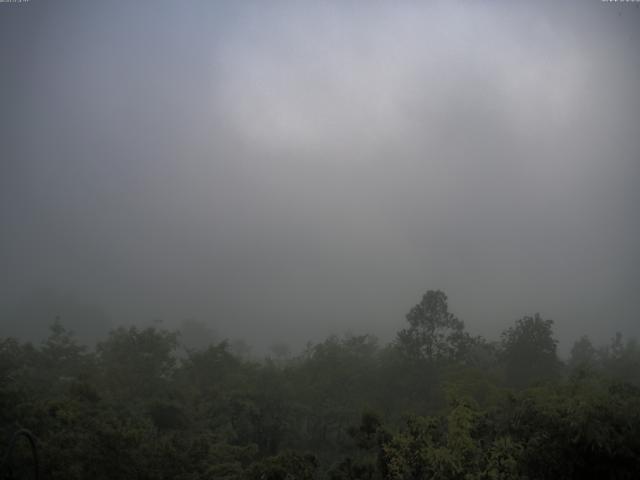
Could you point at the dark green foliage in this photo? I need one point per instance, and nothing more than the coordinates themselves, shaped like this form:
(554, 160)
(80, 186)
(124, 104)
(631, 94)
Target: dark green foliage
(284, 466)
(529, 351)
(584, 356)
(434, 333)
(137, 362)
(435, 404)
(622, 359)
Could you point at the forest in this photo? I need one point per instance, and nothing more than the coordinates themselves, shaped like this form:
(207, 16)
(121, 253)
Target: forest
(434, 403)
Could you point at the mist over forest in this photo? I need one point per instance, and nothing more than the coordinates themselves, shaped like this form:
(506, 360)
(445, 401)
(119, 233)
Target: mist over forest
(264, 234)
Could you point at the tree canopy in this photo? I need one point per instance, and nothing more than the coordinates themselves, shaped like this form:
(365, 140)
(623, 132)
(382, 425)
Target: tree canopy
(435, 403)
(434, 333)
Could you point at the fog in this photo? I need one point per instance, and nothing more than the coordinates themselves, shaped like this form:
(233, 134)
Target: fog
(287, 170)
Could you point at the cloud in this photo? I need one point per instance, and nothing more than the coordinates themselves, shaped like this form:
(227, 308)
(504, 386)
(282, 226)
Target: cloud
(292, 169)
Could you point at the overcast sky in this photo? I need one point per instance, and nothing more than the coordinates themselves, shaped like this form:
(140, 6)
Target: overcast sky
(285, 170)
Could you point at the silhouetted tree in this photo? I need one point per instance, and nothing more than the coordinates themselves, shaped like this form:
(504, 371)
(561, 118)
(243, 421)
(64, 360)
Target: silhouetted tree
(584, 355)
(529, 351)
(434, 333)
(137, 362)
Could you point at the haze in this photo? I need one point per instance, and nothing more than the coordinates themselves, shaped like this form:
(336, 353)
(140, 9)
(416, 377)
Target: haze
(287, 170)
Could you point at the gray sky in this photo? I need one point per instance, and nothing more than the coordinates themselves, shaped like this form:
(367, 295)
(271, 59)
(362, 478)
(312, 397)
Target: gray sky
(285, 170)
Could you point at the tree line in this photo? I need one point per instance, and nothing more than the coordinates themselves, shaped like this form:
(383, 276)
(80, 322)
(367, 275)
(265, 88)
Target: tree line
(435, 403)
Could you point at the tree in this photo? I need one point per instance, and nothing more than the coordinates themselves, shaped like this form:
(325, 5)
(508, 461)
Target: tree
(584, 356)
(529, 351)
(434, 333)
(137, 362)
(287, 465)
(61, 352)
(435, 447)
(622, 359)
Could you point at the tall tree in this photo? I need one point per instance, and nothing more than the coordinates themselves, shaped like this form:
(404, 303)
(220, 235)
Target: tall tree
(529, 351)
(584, 355)
(137, 362)
(434, 333)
